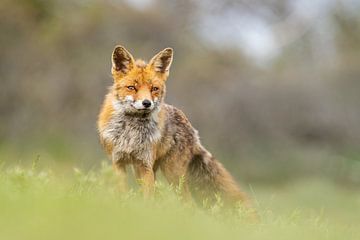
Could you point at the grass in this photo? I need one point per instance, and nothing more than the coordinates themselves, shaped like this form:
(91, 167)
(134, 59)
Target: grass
(39, 204)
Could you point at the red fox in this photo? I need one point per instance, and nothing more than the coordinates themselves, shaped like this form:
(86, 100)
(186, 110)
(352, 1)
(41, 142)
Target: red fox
(136, 127)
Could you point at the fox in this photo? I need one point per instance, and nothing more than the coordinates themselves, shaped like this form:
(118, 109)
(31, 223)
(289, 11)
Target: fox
(136, 127)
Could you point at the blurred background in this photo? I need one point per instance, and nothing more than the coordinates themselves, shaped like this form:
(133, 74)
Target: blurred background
(272, 86)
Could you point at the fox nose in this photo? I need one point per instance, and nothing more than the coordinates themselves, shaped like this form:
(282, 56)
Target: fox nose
(146, 103)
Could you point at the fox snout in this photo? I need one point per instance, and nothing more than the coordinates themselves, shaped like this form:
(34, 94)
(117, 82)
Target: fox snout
(143, 104)
(140, 104)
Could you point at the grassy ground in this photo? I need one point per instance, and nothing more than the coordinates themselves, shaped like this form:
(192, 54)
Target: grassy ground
(38, 204)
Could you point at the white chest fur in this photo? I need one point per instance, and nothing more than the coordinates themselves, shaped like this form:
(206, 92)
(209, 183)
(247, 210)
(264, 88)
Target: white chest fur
(133, 138)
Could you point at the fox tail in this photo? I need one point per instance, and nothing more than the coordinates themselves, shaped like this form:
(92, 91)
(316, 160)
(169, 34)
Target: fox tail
(208, 178)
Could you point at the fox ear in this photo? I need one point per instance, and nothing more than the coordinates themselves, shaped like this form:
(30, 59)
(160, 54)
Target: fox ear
(161, 62)
(122, 60)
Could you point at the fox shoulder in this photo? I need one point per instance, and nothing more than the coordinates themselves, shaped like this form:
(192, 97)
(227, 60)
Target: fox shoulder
(175, 115)
(106, 112)
(179, 125)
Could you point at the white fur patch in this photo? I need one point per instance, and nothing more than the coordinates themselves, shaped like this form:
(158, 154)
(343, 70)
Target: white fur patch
(116, 104)
(138, 104)
(129, 98)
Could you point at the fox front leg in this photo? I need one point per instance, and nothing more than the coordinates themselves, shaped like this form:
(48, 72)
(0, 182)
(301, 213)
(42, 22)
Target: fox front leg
(120, 173)
(121, 178)
(146, 177)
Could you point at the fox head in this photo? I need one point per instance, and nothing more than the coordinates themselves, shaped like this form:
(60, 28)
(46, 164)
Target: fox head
(139, 87)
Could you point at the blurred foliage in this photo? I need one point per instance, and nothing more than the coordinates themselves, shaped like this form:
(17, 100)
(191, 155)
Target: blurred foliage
(294, 115)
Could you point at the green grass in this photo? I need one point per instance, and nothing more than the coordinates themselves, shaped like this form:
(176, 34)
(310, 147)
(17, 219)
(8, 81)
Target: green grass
(39, 204)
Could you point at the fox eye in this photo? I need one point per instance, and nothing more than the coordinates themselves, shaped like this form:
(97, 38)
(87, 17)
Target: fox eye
(132, 88)
(154, 89)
